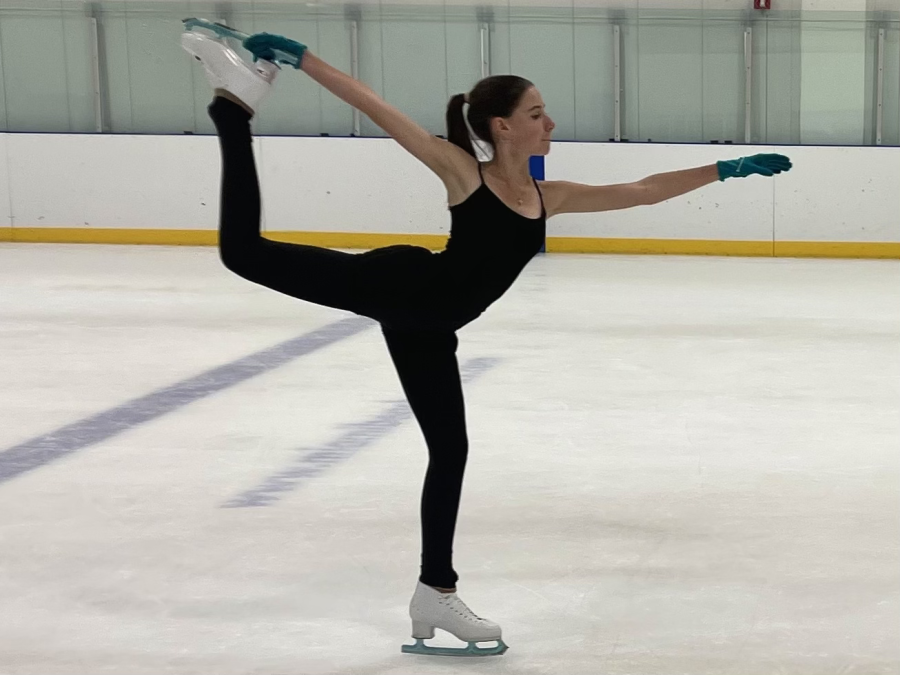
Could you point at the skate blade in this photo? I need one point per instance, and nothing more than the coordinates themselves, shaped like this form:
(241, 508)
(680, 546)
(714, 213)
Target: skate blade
(219, 29)
(472, 650)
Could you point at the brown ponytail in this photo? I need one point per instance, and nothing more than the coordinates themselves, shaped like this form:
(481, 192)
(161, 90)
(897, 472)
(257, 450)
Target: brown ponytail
(457, 133)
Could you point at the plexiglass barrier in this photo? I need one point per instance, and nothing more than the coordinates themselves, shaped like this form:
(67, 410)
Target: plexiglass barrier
(633, 73)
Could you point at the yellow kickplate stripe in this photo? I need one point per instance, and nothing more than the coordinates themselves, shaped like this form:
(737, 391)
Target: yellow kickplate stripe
(75, 235)
(824, 249)
(100, 235)
(658, 246)
(780, 249)
(352, 240)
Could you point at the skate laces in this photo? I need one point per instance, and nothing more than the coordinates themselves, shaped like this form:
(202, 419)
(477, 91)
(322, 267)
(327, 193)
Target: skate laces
(457, 605)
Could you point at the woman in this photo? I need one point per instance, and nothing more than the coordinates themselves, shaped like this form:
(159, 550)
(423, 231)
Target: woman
(420, 298)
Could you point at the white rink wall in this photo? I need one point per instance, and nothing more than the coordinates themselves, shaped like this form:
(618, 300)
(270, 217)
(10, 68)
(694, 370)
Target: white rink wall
(70, 186)
(834, 194)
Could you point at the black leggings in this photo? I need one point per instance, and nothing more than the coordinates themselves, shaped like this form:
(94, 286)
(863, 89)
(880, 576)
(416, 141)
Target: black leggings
(374, 284)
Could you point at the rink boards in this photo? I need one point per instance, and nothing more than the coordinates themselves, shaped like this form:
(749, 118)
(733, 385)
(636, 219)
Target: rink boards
(368, 192)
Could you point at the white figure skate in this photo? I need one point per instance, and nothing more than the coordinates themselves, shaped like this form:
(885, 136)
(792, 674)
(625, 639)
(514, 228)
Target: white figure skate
(268, 46)
(226, 70)
(430, 609)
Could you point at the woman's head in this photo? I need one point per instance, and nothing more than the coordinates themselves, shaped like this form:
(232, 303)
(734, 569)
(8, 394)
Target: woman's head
(504, 110)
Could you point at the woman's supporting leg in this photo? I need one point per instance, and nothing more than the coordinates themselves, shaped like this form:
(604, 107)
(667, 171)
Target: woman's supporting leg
(429, 372)
(311, 273)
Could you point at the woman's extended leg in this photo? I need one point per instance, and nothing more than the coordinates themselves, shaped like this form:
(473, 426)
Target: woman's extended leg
(427, 366)
(311, 273)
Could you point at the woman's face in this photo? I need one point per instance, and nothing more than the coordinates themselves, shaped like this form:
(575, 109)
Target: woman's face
(529, 127)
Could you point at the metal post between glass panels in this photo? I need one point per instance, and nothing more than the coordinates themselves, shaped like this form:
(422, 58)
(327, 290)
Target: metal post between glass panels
(617, 79)
(879, 90)
(748, 84)
(354, 69)
(95, 75)
(485, 40)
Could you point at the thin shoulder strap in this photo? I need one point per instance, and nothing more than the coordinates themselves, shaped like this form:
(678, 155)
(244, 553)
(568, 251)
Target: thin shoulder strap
(479, 171)
(540, 194)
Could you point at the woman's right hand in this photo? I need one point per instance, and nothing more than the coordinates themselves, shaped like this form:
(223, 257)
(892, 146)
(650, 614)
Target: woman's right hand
(275, 48)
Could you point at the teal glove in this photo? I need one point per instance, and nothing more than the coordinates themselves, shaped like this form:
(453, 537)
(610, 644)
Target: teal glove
(764, 165)
(275, 48)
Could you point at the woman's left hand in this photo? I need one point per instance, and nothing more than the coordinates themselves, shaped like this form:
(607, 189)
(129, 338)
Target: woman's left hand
(763, 164)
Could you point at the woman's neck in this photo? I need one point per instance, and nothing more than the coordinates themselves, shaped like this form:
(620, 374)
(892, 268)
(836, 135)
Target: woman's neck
(512, 177)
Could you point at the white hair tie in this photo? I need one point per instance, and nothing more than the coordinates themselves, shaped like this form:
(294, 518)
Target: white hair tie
(482, 148)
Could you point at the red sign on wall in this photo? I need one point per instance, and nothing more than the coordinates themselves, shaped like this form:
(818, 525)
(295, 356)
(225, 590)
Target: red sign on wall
(762, 4)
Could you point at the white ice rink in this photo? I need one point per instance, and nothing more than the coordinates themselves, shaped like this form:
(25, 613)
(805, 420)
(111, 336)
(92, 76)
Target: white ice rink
(677, 466)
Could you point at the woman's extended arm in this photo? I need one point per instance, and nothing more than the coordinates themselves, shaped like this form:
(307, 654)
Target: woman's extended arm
(346, 88)
(663, 186)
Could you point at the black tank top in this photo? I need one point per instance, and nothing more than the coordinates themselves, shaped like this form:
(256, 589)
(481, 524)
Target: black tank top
(489, 246)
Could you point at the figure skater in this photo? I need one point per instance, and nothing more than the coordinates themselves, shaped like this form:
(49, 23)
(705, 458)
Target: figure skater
(420, 298)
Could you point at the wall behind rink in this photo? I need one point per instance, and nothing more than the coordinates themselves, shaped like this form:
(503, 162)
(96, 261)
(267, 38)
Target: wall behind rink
(367, 192)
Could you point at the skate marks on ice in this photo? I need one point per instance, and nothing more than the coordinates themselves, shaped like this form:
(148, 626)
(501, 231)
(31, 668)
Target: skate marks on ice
(44, 449)
(312, 462)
